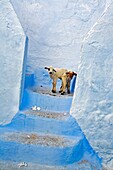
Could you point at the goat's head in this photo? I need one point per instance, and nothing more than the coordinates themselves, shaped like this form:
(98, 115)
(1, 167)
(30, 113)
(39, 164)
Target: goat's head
(70, 74)
(51, 70)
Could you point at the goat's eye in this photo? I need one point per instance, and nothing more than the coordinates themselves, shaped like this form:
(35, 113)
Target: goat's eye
(48, 69)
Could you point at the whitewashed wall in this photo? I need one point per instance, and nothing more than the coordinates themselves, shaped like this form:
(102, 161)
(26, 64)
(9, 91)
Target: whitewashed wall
(56, 29)
(12, 43)
(93, 99)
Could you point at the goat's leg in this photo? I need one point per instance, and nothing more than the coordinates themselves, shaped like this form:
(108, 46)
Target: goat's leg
(63, 85)
(68, 86)
(54, 86)
(61, 88)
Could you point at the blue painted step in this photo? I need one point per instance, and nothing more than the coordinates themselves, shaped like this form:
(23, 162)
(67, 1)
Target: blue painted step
(81, 165)
(39, 148)
(15, 139)
(47, 150)
(50, 137)
(46, 122)
(46, 100)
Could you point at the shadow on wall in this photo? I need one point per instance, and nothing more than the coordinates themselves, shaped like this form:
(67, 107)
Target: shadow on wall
(23, 71)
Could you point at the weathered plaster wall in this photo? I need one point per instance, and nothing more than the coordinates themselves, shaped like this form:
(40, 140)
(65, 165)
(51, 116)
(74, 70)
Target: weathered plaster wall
(56, 29)
(12, 43)
(93, 99)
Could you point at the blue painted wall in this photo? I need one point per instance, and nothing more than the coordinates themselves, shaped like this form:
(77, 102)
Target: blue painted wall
(23, 78)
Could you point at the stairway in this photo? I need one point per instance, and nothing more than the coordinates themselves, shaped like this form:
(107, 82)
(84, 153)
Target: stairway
(46, 139)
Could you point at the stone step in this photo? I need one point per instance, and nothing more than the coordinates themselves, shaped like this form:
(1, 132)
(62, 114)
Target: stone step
(46, 100)
(48, 114)
(80, 165)
(45, 122)
(40, 148)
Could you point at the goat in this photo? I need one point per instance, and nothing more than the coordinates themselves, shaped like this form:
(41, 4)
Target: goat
(56, 74)
(63, 74)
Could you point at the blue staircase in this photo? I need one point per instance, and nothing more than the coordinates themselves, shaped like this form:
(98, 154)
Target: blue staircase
(48, 138)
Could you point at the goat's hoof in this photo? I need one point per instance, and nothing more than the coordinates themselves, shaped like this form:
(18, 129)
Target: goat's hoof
(53, 91)
(68, 92)
(62, 93)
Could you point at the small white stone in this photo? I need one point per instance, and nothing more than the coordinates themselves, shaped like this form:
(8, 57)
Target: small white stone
(28, 136)
(38, 108)
(34, 108)
(65, 114)
(22, 164)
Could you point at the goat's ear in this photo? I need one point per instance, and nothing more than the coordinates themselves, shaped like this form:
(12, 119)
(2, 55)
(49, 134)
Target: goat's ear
(54, 70)
(46, 68)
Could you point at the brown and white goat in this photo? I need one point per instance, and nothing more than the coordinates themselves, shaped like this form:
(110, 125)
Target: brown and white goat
(63, 74)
